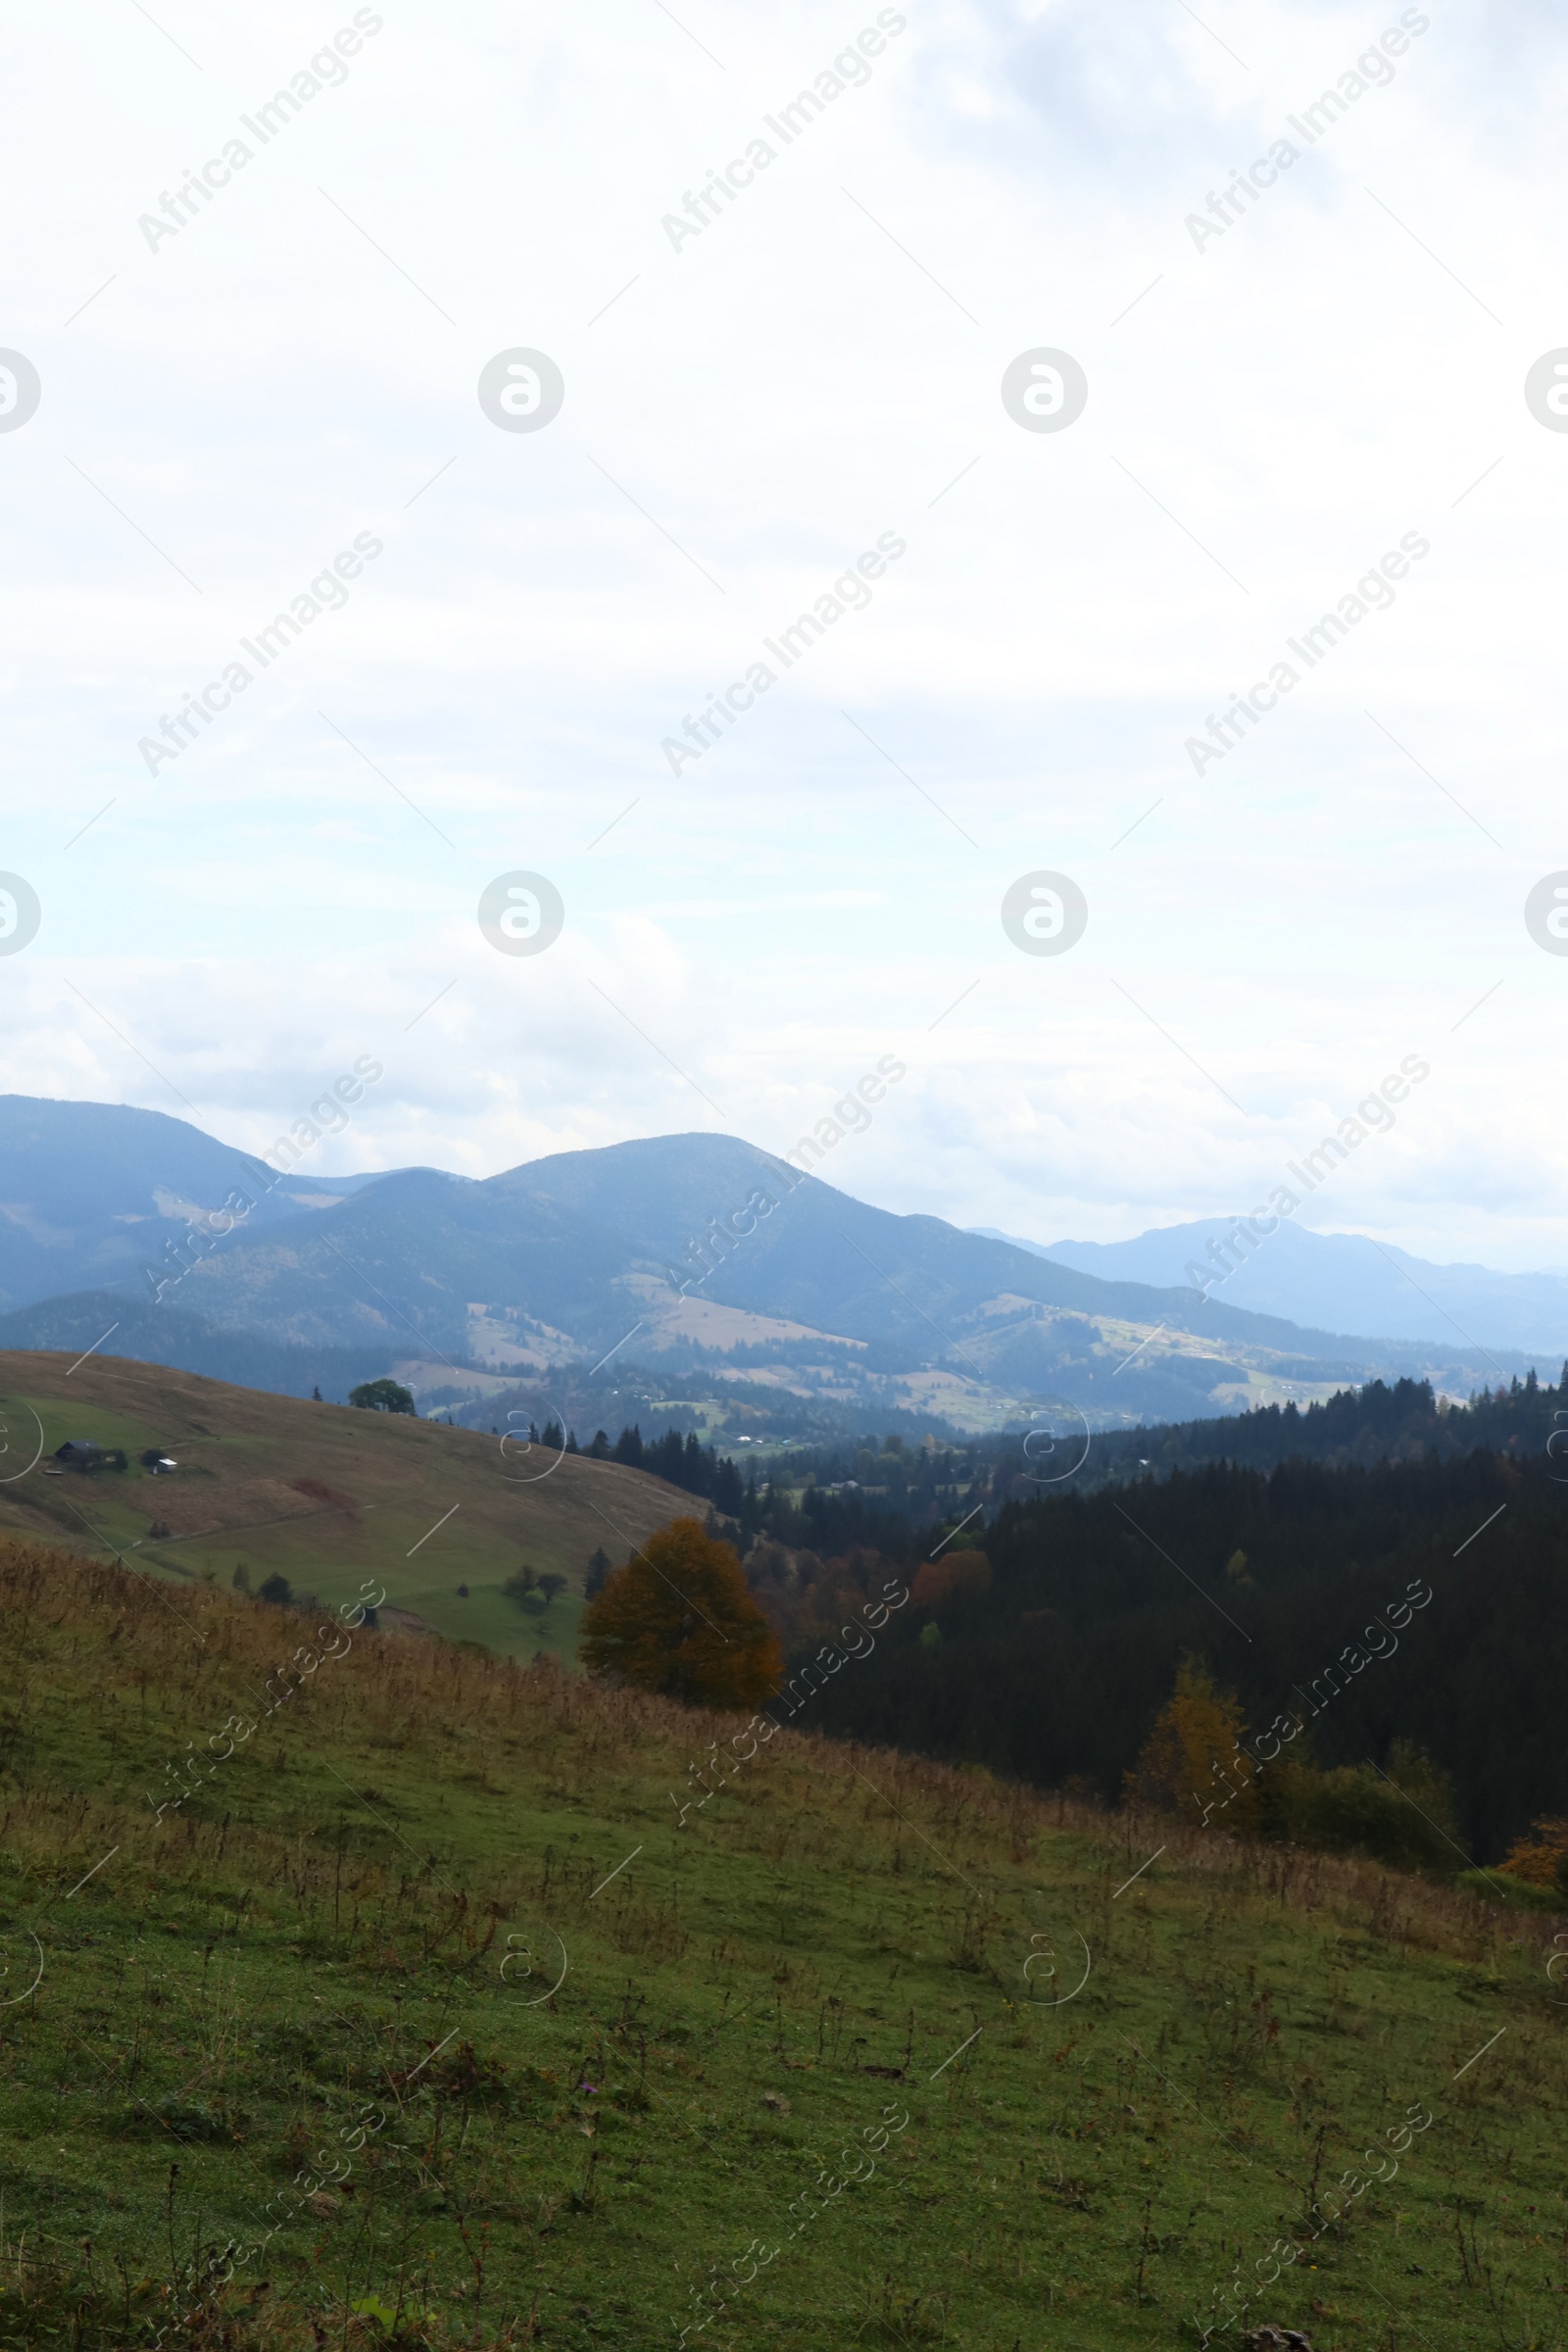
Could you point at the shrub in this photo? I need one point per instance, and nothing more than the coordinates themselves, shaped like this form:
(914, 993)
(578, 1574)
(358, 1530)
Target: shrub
(1399, 1817)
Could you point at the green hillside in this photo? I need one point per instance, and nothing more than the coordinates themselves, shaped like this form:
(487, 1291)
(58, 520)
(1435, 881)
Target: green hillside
(422, 1997)
(321, 1494)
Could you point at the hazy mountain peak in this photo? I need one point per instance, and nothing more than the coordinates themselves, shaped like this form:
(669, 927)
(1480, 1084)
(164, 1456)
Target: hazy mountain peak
(1344, 1282)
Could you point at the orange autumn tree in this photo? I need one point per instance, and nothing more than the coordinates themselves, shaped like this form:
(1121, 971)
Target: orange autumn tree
(680, 1619)
(954, 1571)
(1541, 1857)
(1192, 1743)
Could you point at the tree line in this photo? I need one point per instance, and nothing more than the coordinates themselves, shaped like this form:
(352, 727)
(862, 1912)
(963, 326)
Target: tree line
(1264, 1558)
(1054, 1656)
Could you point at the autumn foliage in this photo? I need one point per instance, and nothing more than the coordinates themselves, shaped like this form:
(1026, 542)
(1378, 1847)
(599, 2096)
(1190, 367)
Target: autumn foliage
(954, 1571)
(679, 1619)
(1541, 1857)
(1189, 1760)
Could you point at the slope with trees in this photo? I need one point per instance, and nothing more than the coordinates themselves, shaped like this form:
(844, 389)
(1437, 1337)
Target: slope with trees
(1057, 1668)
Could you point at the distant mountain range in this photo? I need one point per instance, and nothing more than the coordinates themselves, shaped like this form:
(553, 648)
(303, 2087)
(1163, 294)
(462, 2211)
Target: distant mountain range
(704, 1261)
(1341, 1281)
(89, 1192)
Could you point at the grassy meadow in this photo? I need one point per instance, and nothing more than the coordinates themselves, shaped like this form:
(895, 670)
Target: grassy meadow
(438, 2006)
(322, 1494)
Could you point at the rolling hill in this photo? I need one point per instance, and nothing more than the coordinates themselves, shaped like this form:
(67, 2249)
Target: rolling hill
(427, 2019)
(329, 1497)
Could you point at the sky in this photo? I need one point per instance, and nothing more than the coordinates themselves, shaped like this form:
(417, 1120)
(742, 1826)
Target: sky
(237, 389)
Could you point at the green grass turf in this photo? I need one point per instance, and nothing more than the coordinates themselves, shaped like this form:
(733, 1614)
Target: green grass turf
(321, 1494)
(365, 1911)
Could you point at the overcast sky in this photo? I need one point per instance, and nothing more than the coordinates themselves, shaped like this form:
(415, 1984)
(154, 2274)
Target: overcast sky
(229, 404)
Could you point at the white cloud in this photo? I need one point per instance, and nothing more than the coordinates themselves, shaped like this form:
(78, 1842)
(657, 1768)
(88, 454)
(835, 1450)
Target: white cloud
(1265, 417)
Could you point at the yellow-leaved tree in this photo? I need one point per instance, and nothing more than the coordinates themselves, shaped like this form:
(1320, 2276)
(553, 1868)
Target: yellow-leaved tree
(1189, 1762)
(680, 1619)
